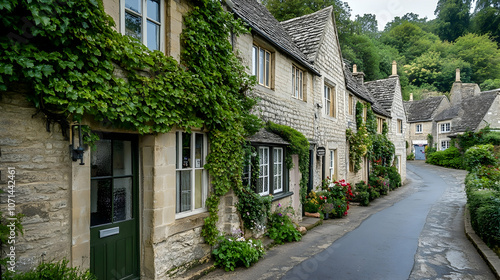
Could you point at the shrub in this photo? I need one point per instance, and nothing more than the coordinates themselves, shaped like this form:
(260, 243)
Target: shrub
(53, 271)
(450, 157)
(234, 251)
(254, 209)
(484, 208)
(361, 194)
(394, 178)
(280, 226)
(411, 156)
(479, 155)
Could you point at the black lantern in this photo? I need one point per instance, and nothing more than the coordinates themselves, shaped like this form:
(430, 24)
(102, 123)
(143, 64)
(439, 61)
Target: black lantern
(76, 152)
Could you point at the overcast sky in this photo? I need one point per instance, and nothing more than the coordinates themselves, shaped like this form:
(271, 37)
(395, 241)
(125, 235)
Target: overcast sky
(386, 10)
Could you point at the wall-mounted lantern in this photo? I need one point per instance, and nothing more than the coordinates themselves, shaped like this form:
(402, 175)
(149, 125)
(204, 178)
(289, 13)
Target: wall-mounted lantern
(77, 152)
(320, 151)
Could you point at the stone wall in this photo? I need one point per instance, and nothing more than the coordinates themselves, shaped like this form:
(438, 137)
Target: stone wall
(492, 117)
(398, 138)
(43, 171)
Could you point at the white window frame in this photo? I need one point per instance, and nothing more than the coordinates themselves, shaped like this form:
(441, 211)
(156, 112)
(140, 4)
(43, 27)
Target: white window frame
(333, 161)
(297, 83)
(277, 170)
(261, 66)
(263, 172)
(192, 169)
(145, 18)
(445, 127)
(417, 126)
(445, 144)
(400, 126)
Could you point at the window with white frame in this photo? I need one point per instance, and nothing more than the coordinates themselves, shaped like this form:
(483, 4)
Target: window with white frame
(445, 144)
(445, 127)
(271, 165)
(191, 177)
(297, 83)
(277, 170)
(143, 20)
(418, 128)
(332, 165)
(261, 65)
(330, 101)
(380, 125)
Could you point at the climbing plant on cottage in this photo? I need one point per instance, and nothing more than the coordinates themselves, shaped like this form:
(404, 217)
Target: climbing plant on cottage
(67, 54)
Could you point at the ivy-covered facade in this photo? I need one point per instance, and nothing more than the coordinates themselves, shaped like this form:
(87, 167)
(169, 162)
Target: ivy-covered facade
(169, 122)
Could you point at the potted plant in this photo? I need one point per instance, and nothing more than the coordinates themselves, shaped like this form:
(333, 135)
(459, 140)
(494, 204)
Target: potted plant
(327, 209)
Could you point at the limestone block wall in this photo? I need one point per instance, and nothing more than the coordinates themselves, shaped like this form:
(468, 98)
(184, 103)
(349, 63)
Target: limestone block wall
(43, 173)
(398, 138)
(412, 135)
(331, 130)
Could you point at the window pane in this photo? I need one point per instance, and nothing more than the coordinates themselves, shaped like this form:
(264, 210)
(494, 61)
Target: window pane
(183, 191)
(101, 205)
(186, 150)
(122, 193)
(198, 189)
(134, 5)
(101, 161)
(153, 36)
(278, 169)
(268, 67)
(261, 66)
(300, 85)
(154, 10)
(122, 158)
(177, 161)
(255, 56)
(133, 26)
(293, 81)
(198, 152)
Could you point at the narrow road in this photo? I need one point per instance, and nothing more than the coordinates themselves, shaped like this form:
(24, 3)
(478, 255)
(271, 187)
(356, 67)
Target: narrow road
(416, 232)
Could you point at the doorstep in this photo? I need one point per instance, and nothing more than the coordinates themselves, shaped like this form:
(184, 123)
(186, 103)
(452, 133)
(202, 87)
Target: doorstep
(310, 222)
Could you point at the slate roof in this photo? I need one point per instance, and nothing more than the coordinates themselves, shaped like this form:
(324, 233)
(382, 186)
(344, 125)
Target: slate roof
(469, 113)
(362, 92)
(383, 91)
(263, 23)
(422, 110)
(307, 31)
(264, 136)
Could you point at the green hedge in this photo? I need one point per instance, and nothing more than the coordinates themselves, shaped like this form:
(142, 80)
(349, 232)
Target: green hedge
(450, 157)
(482, 186)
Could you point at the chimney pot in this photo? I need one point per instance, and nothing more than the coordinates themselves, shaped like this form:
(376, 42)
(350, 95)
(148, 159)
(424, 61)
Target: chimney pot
(457, 75)
(411, 96)
(354, 68)
(394, 68)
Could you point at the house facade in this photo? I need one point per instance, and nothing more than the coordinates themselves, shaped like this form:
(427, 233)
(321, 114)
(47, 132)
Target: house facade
(388, 94)
(420, 116)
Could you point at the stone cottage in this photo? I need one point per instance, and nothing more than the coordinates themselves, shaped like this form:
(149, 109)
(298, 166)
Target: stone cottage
(420, 116)
(388, 93)
(357, 91)
(470, 110)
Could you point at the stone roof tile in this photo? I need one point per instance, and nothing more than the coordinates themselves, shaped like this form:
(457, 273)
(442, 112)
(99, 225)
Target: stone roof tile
(306, 31)
(422, 110)
(383, 91)
(262, 22)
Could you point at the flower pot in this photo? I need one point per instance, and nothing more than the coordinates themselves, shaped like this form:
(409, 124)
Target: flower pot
(326, 216)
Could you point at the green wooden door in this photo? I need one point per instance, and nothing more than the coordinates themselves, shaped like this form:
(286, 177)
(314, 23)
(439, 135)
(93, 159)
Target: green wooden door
(114, 246)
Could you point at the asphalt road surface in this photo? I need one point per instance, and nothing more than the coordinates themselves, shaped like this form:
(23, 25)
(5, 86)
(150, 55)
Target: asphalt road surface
(416, 232)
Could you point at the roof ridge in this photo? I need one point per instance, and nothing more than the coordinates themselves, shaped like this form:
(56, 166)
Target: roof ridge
(308, 15)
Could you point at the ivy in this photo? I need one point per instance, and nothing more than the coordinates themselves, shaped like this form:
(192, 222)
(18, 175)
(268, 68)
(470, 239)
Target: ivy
(299, 145)
(74, 64)
(359, 142)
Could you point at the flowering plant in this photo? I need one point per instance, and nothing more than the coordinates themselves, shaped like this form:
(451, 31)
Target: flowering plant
(280, 226)
(235, 250)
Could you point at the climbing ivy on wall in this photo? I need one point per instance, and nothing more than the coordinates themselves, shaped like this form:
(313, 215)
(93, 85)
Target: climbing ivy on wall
(67, 55)
(359, 142)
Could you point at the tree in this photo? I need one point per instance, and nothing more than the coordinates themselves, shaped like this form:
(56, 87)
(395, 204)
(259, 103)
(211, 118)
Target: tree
(408, 17)
(486, 18)
(409, 39)
(453, 18)
(366, 24)
(481, 53)
(362, 51)
(490, 84)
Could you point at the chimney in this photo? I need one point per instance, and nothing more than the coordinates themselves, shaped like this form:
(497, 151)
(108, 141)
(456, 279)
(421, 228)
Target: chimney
(394, 68)
(457, 75)
(358, 76)
(411, 96)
